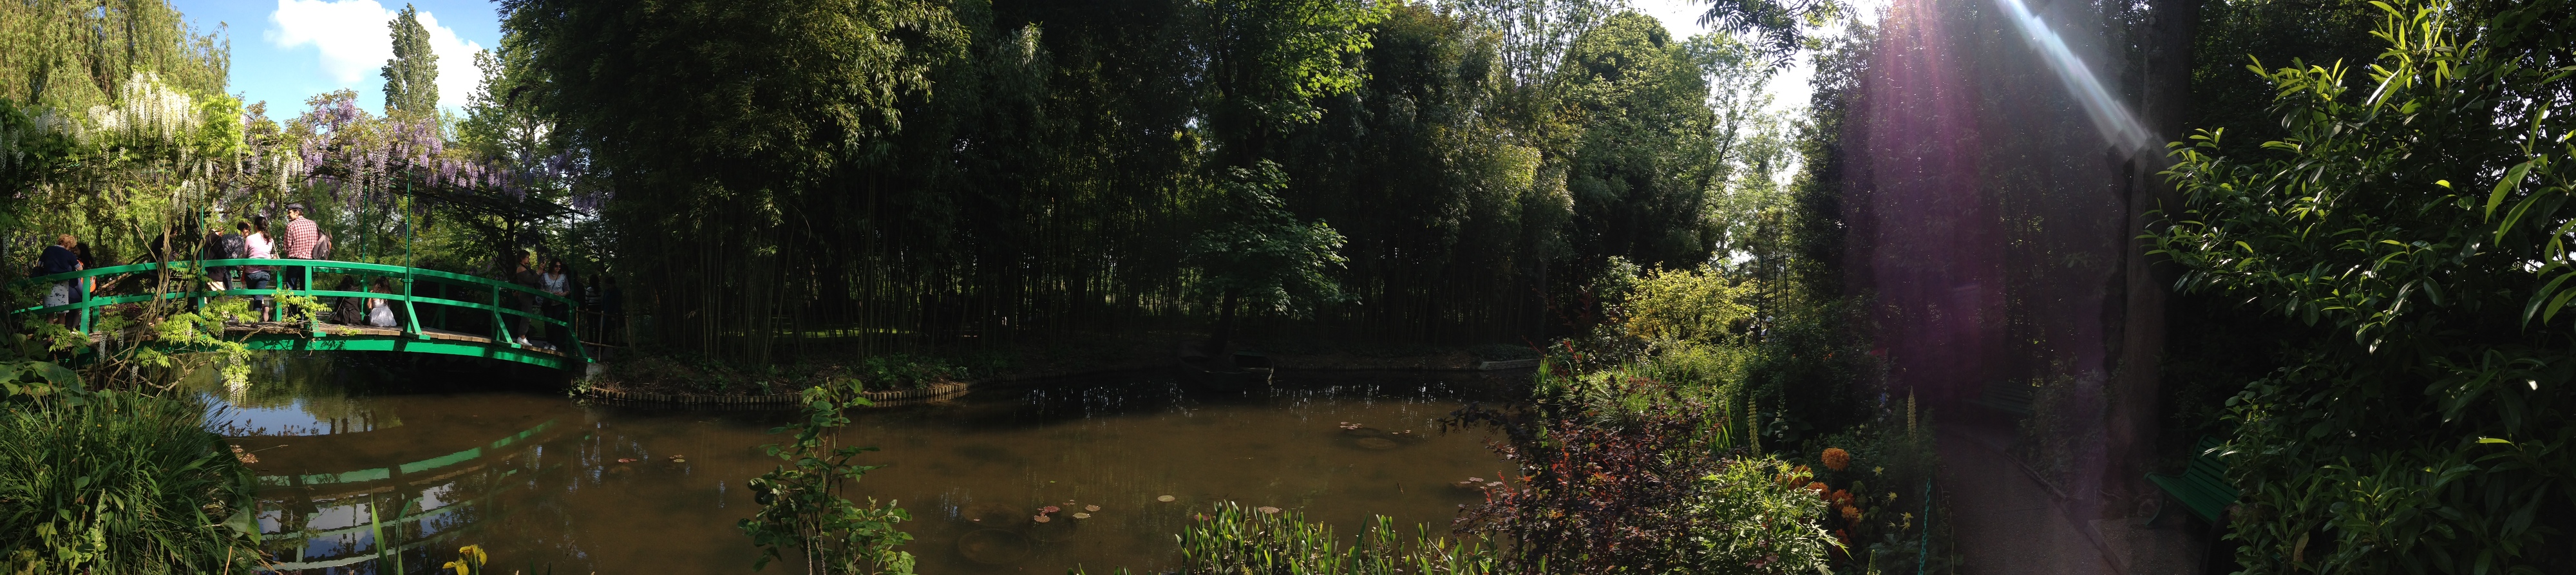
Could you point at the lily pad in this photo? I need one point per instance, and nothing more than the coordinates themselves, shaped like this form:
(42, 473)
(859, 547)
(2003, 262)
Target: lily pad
(1166, 498)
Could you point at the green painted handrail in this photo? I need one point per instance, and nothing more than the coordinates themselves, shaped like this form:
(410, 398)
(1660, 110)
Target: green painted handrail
(411, 277)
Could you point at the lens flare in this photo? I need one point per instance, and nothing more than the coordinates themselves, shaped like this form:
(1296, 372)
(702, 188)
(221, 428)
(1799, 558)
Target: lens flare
(2118, 125)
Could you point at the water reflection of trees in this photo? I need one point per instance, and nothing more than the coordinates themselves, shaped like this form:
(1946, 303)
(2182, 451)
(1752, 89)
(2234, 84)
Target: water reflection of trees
(293, 382)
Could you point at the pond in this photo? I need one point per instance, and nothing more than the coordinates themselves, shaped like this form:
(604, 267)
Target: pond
(358, 452)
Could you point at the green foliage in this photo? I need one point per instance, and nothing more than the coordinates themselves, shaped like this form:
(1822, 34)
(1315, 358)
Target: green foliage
(2233, 33)
(1448, 208)
(1759, 521)
(114, 482)
(1689, 305)
(1783, 26)
(1269, 541)
(1621, 472)
(2413, 221)
(1275, 57)
(801, 503)
(411, 77)
(907, 371)
(1640, 171)
(1260, 255)
(71, 55)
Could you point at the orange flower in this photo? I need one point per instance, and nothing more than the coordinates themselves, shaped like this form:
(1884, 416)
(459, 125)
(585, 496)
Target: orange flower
(1836, 459)
(1842, 496)
(1818, 487)
(1851, 514)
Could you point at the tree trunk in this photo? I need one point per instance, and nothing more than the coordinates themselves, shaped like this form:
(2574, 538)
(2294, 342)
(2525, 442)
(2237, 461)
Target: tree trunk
(1224, 327)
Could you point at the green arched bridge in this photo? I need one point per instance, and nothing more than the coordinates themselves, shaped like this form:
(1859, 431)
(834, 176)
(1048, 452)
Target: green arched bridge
(438, 312)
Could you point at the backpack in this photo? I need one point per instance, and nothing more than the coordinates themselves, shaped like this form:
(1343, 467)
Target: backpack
(322, 246)
(236, 246)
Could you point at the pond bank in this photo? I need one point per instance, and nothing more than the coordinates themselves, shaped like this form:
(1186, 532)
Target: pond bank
(663, 380)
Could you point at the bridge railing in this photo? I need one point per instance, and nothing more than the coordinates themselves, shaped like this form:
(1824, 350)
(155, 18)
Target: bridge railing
(484, 301)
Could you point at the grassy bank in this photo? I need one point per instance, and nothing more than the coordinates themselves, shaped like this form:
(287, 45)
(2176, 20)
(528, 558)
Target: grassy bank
(115, 482)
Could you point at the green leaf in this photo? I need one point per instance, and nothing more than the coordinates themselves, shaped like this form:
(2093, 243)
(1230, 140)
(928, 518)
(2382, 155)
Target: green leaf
(2512, 179)
(58, 375)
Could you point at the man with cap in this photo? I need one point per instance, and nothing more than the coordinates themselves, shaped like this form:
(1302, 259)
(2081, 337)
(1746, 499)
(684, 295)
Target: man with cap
(301, 234)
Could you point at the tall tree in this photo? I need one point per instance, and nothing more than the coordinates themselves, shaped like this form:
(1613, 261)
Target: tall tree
(1270, 60)
(1641, 170)
(1258, 254)
(411, 77)
(718, 172)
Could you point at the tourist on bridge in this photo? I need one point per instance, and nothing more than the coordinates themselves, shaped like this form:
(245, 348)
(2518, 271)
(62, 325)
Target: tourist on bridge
(380, 311)
(301, 236)
(255, 245)
(558, 282)
(60, 259)
(525, 274)
(219, 245)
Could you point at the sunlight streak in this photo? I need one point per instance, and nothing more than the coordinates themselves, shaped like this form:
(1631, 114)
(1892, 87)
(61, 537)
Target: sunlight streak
(2117, 123)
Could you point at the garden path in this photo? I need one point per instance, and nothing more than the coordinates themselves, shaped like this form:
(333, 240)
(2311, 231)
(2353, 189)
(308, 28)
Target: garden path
(2007, 522)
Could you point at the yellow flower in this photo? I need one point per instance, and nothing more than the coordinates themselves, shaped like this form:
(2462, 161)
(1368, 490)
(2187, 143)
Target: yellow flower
(469, 560)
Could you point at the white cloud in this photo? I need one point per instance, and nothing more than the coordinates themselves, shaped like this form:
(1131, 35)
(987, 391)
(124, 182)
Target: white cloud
(354, 39)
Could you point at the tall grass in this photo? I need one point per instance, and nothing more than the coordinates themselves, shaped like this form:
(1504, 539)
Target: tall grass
(1269, 541)
(116, 483)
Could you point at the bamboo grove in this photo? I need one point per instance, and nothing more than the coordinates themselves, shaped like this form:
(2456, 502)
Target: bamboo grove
(985, 171)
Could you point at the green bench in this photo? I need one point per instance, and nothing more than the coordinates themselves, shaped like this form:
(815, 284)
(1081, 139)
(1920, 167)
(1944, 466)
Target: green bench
(2202, 486)
(2007, 396)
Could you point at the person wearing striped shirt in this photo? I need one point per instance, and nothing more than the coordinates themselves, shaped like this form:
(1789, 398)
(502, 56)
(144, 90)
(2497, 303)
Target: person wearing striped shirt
(301, 234)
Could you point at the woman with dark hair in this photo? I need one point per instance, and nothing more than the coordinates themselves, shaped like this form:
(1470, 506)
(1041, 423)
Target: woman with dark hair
(256, 245)
(349, 310)
(558, 282)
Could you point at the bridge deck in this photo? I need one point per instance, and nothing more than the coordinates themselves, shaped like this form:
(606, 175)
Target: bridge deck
(240, 329)
(429, 297)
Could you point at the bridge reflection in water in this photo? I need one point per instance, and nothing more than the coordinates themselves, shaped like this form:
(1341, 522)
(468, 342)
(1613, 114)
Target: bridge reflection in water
(329, 520)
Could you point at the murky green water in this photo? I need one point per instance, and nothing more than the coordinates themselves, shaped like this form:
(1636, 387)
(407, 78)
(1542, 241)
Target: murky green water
(358, 453)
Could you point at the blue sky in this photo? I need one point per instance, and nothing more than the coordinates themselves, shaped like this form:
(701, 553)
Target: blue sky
(287, 50)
